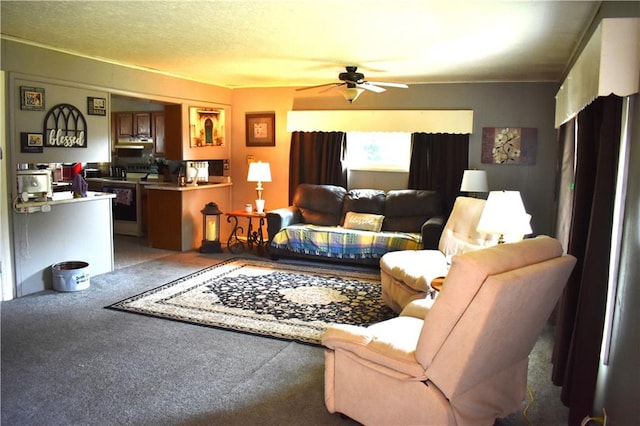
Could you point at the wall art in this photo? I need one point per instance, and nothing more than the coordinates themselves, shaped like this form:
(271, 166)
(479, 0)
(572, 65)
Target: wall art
(509, 145)
(31, 143)
(31, 98)
(65, 127)
(96, 106)
(261, 129)
(206, 127)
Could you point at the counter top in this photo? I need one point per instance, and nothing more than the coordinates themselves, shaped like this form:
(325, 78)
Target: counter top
(59, 198)
(168, 186)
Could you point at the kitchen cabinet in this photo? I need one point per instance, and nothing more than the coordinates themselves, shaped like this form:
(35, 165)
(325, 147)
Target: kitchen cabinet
(132, 125)
(157, 121)
(174, 214)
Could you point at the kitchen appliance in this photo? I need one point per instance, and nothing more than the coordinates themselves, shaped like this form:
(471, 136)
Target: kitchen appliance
(197, 171)
(34, 184)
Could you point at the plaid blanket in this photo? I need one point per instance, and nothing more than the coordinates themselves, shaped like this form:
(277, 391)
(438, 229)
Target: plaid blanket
(332, 241)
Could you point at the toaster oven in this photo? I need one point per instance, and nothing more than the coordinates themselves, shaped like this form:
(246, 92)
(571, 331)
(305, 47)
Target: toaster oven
(34, 184)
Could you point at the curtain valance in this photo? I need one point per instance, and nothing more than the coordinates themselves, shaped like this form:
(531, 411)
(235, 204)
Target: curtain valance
(608, 64)
(410, 121)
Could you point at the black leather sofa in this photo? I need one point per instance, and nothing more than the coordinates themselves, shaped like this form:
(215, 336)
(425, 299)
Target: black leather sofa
(319, 223)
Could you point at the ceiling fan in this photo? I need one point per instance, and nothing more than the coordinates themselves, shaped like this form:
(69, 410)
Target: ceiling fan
(356, 84)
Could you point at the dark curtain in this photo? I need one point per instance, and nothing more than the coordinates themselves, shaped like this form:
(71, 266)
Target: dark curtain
(581, 310)
(438, 162)
(318, 158)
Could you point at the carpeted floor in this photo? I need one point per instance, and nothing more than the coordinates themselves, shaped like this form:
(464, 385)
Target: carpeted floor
(68, 361)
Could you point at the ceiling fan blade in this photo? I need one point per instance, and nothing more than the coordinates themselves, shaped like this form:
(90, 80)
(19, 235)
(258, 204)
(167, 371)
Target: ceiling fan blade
(371, 87)
(334, 85)
(316, 86)
(380, 83)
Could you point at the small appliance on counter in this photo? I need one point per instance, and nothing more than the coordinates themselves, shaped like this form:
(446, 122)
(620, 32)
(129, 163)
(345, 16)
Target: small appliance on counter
(197, 171)
(34, 185)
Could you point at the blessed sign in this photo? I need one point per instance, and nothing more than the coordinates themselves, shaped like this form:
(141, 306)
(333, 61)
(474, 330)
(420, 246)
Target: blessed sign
(65, 127)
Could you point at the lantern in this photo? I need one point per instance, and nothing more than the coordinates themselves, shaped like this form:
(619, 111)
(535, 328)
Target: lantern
(211, 229)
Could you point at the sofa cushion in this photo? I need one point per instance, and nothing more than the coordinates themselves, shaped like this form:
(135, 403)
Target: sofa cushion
(320, 204)
(364, 201)
(407, 209)
(363, 221)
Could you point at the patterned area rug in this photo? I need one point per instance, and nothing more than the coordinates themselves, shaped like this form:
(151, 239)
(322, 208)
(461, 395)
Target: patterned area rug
(279, 300)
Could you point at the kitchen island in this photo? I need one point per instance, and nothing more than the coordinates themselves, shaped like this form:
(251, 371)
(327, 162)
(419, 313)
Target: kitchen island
(174, 218)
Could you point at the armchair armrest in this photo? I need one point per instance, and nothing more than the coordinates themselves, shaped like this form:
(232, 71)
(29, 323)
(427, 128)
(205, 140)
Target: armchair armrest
(431, 232)
(388, 347)
(279, 218)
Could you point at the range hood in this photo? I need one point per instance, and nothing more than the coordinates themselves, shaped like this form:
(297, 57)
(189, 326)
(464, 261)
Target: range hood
(134, 144)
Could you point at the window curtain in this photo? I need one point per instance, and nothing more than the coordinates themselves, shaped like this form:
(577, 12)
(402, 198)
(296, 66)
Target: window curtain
(317, 158)
(438, 162)
(581, 310)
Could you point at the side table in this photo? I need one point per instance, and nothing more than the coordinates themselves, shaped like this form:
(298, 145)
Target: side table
(254, 237)
(437, 282)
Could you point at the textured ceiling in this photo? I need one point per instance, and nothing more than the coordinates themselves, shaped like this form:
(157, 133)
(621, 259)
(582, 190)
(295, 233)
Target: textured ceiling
(243, 43)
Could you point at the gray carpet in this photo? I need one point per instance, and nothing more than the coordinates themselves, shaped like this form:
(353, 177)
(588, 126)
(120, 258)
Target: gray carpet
(68, 361)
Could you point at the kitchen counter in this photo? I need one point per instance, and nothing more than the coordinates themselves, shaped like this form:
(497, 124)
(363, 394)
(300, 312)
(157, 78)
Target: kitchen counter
(58, 198)
(168, 186)
(61, 229)
(174, 213)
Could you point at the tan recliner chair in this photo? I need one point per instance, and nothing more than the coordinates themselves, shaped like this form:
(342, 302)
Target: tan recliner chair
(406, 275)
(465, 362)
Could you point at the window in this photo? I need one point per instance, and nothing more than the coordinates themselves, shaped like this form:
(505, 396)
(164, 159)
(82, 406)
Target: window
(379, 151)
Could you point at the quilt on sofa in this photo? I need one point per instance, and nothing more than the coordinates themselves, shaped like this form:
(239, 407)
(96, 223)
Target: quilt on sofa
(341, 243)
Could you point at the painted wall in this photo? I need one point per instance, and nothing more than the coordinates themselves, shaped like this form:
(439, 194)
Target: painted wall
(494, 105)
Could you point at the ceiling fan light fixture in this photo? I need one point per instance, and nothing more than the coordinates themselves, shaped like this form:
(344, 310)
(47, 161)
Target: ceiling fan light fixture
(352, 93)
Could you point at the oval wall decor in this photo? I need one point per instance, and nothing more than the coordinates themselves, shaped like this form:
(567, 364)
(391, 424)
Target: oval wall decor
(65, 127)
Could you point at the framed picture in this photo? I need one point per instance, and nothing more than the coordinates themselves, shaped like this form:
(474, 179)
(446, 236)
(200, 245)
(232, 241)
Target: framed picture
(96, 106)
(509, 145)
(31, 143)
(206, 127)
(261, 129)
(32, 98)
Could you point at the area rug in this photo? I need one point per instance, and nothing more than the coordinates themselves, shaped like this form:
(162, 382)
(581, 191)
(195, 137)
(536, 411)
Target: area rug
(286, 301)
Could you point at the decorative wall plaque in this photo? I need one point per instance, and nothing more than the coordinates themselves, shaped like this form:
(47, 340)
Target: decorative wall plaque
(96, 106)
(32, 98)
(65, 127)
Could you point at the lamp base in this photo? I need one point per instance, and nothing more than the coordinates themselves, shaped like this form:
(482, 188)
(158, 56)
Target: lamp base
(260, 206)
(210, 247)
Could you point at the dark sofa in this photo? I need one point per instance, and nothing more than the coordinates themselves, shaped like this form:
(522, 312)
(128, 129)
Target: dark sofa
(355, 226)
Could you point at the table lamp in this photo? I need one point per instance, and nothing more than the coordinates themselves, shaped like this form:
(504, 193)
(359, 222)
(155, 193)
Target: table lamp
(474, 181)
(504, 215)
(259, 172)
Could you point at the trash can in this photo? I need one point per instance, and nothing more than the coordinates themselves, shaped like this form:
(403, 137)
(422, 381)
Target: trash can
(70, 276)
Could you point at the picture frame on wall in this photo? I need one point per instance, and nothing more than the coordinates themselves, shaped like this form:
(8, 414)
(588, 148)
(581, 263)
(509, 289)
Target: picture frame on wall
(96, 106)
(31, 98)
(509, 145)
(260, 128)
(31, 143)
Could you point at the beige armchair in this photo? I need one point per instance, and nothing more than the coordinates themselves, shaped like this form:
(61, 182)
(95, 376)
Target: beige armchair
(464, 362)
(406, 275)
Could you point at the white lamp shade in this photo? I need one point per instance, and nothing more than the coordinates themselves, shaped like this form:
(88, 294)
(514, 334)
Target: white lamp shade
(259, 172)
(474, 181)
(504, 214)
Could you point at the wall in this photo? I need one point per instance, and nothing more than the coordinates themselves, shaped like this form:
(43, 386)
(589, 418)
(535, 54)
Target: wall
(617, 390)
(493, 104)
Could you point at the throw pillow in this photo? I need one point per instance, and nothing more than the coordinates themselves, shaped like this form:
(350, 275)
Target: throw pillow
(363, 221)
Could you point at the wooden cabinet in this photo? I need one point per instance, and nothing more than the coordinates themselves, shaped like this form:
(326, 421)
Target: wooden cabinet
(174, 217)
(157, 121)
(132, 125)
